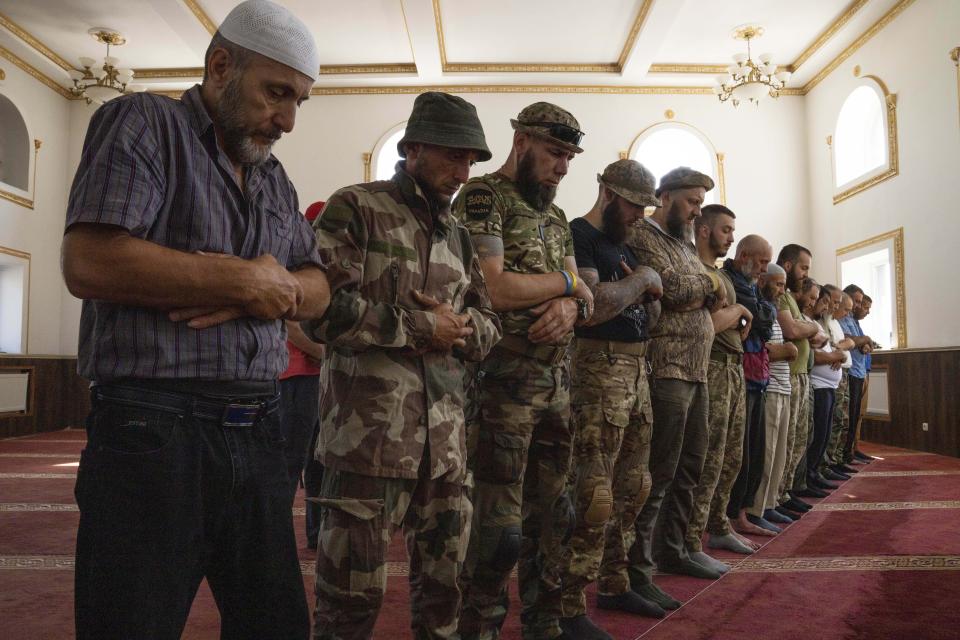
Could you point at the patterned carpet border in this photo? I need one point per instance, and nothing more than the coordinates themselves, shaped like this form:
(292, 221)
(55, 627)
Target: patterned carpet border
(28, 507)
(75, 456)
(887, 506)
(906, 474)
(36, 476)
(852, 563)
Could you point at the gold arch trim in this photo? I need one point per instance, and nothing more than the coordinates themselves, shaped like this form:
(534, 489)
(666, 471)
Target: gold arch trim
(35, 73)
(955, 56)
(828, 33)
(201, 15)
(900, 288)
(368, 156)
(893, 150)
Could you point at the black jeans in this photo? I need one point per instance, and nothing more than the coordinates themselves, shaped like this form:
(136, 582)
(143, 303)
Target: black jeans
(300, 421)
(167, 497)
(754, 451)
(822, 421)
(856, 398)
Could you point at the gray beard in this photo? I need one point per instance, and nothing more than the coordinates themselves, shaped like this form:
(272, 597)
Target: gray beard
(237, 139)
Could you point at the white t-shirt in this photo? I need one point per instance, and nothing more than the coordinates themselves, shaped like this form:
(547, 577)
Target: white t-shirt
(780, 369)
(824, 376)
(836, 337)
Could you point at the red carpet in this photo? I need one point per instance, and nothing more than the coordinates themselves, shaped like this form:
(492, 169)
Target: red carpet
(878, 559)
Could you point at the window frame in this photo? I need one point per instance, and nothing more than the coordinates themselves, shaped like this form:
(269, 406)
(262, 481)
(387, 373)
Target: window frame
(370, 158)
(10, 192)
(891, 168)
(716, 157)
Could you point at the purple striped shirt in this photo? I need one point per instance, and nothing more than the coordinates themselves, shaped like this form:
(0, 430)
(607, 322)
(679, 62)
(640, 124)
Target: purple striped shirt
(151, 165)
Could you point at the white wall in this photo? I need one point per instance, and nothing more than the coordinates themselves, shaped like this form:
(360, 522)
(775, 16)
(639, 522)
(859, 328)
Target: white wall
(764, 147)
(39, 231)
(911, 56)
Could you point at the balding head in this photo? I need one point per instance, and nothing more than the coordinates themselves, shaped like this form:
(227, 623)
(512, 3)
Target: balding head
(753, 255)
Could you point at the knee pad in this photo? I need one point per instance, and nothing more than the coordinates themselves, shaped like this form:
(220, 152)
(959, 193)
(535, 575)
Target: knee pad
(646, 484)
(507, 550)
(600, 507)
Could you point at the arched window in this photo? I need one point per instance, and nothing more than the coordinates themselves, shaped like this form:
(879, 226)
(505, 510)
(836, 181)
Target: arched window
(864, 140)
(382, 161)
(15, 147)
(669, 145)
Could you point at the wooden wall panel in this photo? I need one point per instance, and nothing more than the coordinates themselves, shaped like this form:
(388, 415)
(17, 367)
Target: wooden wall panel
(924, 386)
(60, 398)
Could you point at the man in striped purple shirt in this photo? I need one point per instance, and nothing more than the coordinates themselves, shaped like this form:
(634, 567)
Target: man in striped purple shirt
(183, 238)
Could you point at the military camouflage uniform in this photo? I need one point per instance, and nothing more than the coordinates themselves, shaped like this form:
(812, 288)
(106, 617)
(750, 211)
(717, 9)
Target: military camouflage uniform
(392, 436)
(609, 478)
(800, 403)
(841, 423)
(523, 440)
(725, 429)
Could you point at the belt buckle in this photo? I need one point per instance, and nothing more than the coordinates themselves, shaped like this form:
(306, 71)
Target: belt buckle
(241, 414)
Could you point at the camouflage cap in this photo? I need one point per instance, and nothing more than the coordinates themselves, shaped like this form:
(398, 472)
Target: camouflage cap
(551, 122)
(684, 178)
(632, 181)
(446, 121)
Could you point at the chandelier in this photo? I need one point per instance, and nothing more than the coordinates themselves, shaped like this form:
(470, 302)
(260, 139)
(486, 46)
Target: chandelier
(747, 80)
(101, 83)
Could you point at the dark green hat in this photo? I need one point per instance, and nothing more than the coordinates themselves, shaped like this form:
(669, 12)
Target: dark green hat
(630, 180)
(551, 122)
(684, 178)
(446, 121)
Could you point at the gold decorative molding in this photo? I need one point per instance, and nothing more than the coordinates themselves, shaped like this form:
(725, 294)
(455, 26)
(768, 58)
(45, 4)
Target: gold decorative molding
(201, 15)
(623, 155)
(721, 178)
(856, 71)
(702, 69)
(874, 29)
(334, 69)
(669, 114)
(21, 200)
(367, 160)
(893, 151)
(634, 33)
(535, 67)
(173, 72)
(24, 35)
(32, 71)
(830, 141)
(955, 56)
(828, 33)
(899, 278)
(3, 74)
(513, 88)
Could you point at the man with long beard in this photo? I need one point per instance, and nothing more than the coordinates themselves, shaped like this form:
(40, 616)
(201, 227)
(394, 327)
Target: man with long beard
(184, 239)
(679, 353)
(520, 447)
(610, 401)
(408, 307)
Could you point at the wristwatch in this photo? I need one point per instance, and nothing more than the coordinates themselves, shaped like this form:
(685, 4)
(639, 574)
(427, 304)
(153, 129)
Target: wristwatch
(583, 309)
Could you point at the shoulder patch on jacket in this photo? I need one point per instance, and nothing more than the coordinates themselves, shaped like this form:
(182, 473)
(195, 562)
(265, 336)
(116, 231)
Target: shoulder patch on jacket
(478, 202)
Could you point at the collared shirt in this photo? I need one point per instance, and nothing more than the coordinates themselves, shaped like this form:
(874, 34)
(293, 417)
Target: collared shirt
(858, 365)
(387, 403)
(152, 165)
(680, 343)
(836, 337)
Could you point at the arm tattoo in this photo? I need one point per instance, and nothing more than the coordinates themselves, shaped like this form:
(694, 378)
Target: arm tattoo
(488, 246)
(610, 298)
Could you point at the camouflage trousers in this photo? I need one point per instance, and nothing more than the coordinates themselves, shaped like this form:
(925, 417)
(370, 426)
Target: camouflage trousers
(798, 431)
(520, 456)
(725, 428)
(360, 515)
(610, 478)
(841, 423)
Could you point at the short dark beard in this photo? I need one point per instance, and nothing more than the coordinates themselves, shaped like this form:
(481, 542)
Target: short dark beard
(676, 226)
(537, 195)
(716, 248)
(793, 282)
(238, 142)
(437, 201)
(612, 224)
(769, 292)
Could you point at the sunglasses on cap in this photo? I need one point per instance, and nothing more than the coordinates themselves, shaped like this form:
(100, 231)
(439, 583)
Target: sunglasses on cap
(559, 131)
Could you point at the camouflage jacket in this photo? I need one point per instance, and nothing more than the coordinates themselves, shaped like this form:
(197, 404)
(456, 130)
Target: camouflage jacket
(533, 241)
(680, 343)
(384, 400)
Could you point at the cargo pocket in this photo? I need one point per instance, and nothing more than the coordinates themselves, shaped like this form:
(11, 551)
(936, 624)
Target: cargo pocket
(353, 528)
(500, 458)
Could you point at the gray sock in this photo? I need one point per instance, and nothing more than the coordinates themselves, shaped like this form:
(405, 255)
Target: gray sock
(728, 542)
(701, 558)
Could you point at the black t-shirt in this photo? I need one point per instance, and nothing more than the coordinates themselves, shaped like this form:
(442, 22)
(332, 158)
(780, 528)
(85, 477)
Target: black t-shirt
(595, 251)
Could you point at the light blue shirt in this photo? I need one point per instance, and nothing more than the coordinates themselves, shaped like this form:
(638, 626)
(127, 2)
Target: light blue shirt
(859, 368)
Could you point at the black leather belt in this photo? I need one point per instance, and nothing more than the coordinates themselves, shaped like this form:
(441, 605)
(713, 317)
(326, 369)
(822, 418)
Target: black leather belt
(228, 411)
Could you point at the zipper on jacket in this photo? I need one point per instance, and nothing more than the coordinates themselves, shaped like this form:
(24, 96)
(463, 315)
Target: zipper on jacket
(395, 274)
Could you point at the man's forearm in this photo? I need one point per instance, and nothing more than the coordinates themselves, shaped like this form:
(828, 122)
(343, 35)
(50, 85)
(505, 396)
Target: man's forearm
(613, 297)
(316, 292)
(726, 318)
(109, 264)
(510, 291)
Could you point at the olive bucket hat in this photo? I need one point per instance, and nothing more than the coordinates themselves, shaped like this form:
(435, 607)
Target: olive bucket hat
(632, 181)
(446, 121)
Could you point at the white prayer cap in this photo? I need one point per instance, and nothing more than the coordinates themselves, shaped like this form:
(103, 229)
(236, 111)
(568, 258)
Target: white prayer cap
(773, 269)
(274, 32)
